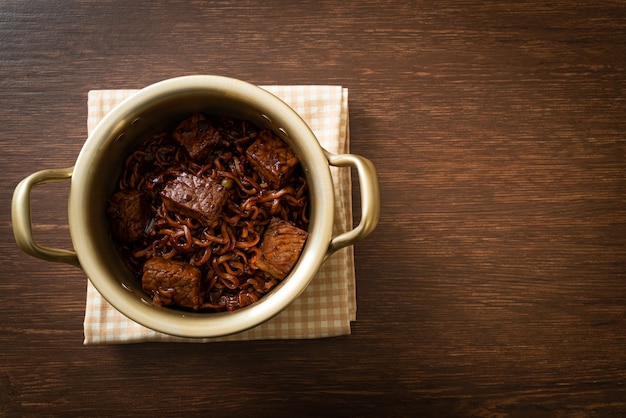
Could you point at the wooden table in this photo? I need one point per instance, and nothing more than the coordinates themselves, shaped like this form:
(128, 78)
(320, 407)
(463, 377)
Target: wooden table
(495, 283)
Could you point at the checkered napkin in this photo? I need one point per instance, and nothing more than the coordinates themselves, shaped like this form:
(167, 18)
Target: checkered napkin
(328, 305)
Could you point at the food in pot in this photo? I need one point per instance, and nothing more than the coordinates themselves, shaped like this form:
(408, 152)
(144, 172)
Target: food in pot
(172, 282)
(129, 212)
(271, 158)
(196, 197)
(280, 248)
(210, 215)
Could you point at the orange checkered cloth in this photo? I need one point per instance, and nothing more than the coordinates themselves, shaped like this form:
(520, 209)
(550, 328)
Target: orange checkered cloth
(328, 305)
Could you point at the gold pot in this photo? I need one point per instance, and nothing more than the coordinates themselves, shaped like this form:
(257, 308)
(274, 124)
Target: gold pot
(101, 160)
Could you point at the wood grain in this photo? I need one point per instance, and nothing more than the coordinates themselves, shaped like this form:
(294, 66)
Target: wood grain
(495, 282)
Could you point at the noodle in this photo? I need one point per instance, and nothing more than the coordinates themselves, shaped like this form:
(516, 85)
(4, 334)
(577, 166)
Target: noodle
(224, 249)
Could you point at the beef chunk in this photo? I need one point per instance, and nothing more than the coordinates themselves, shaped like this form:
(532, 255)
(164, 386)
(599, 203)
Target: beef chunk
(198, 136)
(172, 282)
(271, 158)
(129, 212)
(196, 197)
(280, 247)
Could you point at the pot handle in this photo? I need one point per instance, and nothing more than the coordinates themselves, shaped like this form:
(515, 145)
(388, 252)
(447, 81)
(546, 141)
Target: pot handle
(21, 217)
(370, 199)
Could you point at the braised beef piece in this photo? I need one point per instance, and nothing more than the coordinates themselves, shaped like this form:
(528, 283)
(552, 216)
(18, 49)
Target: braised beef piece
(280, 247)
(171, 282)
(129, 212)
(271, 158)
(196, 197)
(198, 136)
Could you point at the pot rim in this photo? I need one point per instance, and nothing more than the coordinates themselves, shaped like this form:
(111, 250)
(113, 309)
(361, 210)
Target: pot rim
(202, 325)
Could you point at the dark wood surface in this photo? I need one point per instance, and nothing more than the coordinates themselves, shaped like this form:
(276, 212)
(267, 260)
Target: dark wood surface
(495, 283)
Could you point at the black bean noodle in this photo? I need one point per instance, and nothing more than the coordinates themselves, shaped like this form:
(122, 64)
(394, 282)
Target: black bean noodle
(225, 250)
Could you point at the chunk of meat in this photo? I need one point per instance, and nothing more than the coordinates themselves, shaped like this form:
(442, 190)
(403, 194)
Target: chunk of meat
(271, 158)
(129, 212)
(280, 247)
(196, 197)
(198, 136)
(172, 282)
